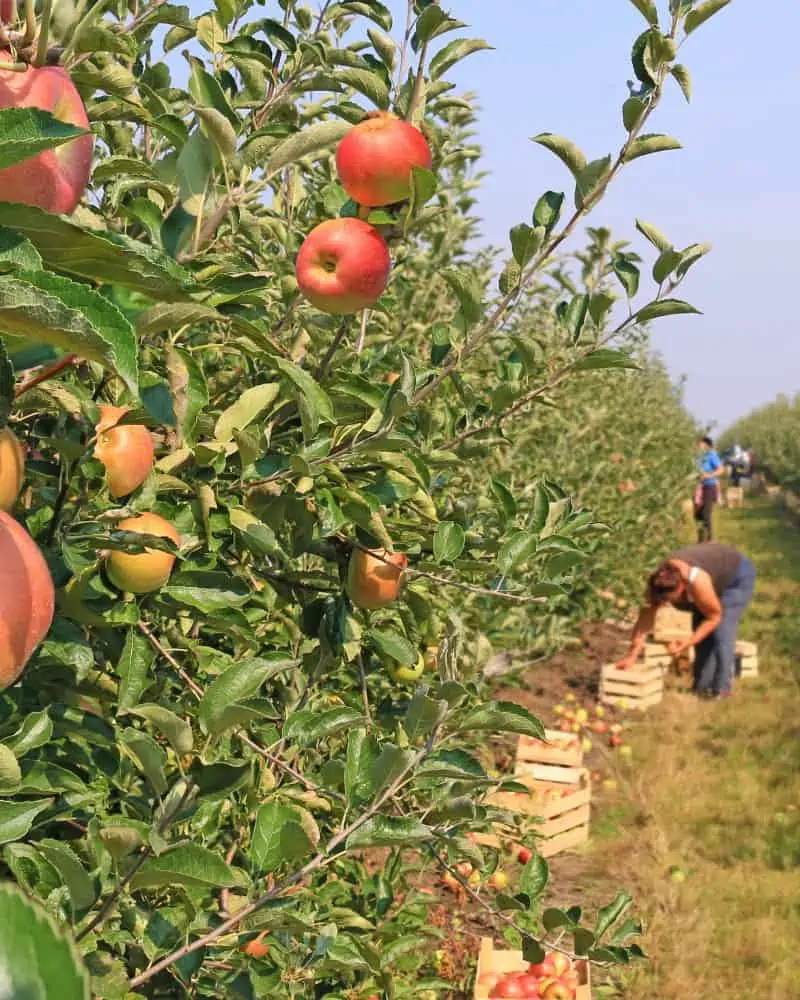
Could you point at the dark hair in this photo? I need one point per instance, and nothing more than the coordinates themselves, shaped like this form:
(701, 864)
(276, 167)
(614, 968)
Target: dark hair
(662, 583)
(707, 440)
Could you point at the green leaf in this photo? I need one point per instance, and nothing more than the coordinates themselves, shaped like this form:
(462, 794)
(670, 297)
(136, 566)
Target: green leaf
(218, 707)
(207, 92)
(684, 79)
(17, 818)
(73, 874)
(665, 265)
(665, 307)
(455, 765)
(176, 730)
(654, 235)
(362, 752)
(628, 274)
(310, 726)
(467, 291)
(208, 591)
(454, 52)
(195, 166)
(651, 143)
(10, 773)
(575, 316)
(608, 915)
(17, 252)
(448, 542)
(525, 242)
(147, 755)
(648, 10)
(189, 865)
(423, 715)
(317, 401)
(37, 961)
(583, 940)
(553, 918)
(317, 138)
(36, 731)
(249, 407)
(534, 878)
(364, 81)
(277, 836)
(548, 210)
(566, 150)
(700, 14)
(46, 308)
(98, 256)
(134, 666)
(632, 111)
(391, 763)
(690, 256)
(503, 717)
(394, 645)
(532, 950)
(429, 20)
(219, 130)
(605, 357)
(385, 46)
(26, 132)
(424, 183)
(515, 550)
(389, 831)
(590, 181)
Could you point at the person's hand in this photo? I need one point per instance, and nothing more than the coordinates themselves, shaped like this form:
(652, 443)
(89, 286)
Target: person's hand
(678, 648)
(626, 663)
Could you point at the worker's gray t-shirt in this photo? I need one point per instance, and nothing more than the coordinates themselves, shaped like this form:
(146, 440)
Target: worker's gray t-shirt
(721, 562)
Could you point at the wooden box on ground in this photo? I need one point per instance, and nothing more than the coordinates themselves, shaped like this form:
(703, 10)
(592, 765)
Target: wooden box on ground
(640, 688)
(563, 808)
(558, 759)
(671, 624)
(747, 655)
(734, 496)
(491, 959)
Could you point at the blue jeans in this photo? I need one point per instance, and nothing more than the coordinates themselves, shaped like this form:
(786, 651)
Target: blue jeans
(715, 656)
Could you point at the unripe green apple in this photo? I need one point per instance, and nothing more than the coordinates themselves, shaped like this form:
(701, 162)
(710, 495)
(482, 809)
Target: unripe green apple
(404, 674)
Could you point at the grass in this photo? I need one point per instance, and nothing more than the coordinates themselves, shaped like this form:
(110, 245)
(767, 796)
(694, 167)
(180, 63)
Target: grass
(714, 790)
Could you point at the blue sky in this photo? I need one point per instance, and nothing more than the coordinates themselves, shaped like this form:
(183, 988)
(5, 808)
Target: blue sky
(561, 66)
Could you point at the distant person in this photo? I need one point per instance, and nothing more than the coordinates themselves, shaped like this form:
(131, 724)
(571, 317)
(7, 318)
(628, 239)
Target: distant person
(708, 488)
(715, 582)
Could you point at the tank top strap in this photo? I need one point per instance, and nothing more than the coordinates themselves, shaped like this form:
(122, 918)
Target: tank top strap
(693, 571)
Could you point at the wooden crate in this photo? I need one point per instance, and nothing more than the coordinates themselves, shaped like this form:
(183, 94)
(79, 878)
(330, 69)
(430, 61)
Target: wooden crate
(671, 624)
(564, 809)
(747, 657)
(491, 959)
(559, 759)
(641, 687)
(734, 496)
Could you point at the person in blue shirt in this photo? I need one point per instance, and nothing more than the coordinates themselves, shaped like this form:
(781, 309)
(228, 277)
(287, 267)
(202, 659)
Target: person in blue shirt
(708, 488)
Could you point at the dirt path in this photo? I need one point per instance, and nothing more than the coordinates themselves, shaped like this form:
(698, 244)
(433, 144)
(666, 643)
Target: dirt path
(714, 791)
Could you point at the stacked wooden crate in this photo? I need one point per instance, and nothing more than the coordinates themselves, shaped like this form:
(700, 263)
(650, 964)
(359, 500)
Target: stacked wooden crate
(747, 656)
(493, 961)
(672, 624)
(642, 686)
(560, 792)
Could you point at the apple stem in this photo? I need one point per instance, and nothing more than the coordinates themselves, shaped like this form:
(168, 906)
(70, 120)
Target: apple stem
(44, 33)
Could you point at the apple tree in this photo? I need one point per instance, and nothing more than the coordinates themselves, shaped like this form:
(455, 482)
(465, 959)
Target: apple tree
(224, 771)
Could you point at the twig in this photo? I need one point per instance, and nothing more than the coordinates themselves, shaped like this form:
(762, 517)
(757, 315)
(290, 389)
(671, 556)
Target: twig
(322, 370)
(322, 859)
(45, 373)
(364, 688)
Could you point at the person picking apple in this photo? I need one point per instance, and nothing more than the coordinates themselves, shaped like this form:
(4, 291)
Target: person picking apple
(715, 582)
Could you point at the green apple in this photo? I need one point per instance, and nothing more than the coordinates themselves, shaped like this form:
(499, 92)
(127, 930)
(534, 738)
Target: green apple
(407, 675)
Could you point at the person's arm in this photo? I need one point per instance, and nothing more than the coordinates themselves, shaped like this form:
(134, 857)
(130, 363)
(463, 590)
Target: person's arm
(708, 604)
(641, 630)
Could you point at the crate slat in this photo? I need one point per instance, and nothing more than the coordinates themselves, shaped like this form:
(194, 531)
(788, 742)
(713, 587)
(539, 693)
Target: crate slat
(555, 751)
(525, 770)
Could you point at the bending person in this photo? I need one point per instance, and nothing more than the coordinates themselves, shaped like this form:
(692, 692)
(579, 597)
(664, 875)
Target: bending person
(715, 582)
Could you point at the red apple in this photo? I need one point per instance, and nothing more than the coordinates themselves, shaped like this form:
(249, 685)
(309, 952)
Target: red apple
(524, 855)
(614, 740)
(375, 159)
(8, 11)
(374, 577)
(27, 599)
(343, 266)
(126, 451)
(54, 179)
